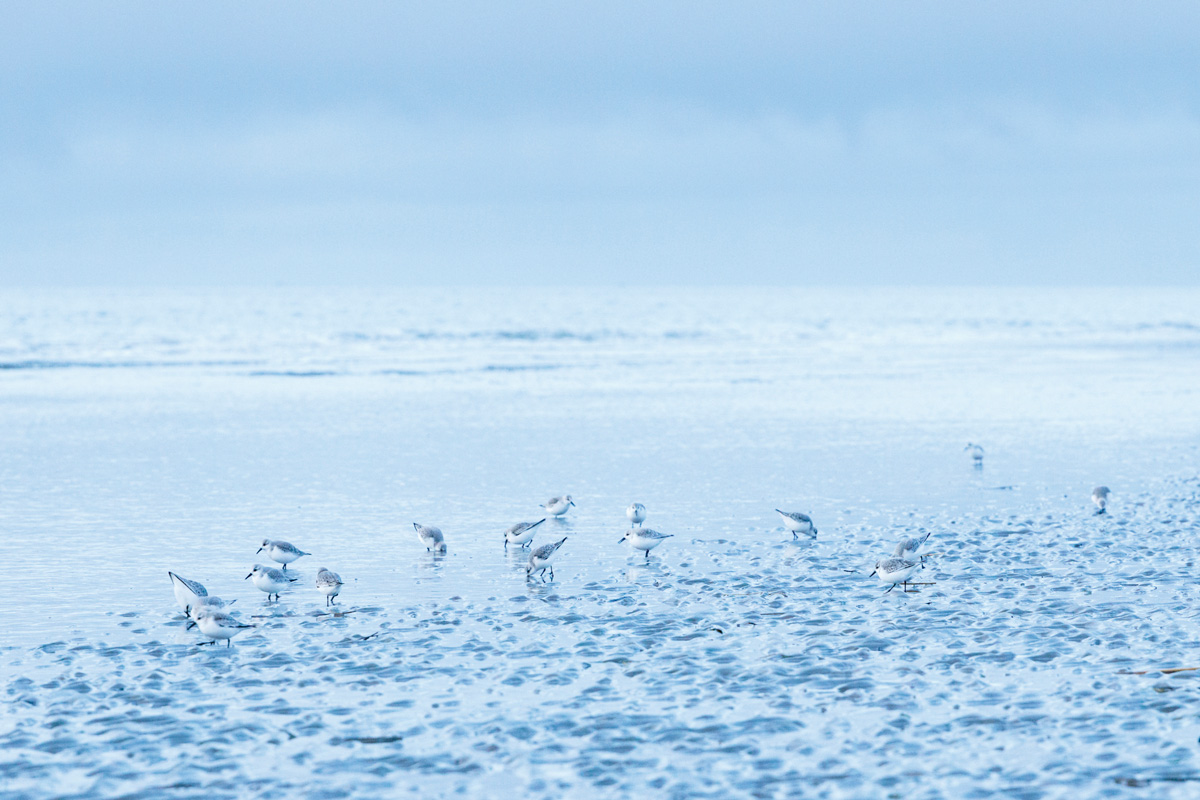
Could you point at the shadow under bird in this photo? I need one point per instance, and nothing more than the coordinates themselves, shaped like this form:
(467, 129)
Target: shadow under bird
(644, 539)
(431, 537)
(219, 625)
(521, 533)
(557, 506)
(270, 580)
(798, 523)
(541, 558)
(895, 571)
(329, 584)
(636, 514)
(1100, 498)
(281, 551)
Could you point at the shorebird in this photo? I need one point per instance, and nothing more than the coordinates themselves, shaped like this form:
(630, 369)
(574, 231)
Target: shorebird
(798, 523)
(521, 533)
(539, 559)
(281, 551)
(329, 584)
(976, 453)
(430, 537)
(218, 625)
(187, 593)
(557, 506)
(895, 571)
(270, 580)
(644, 539)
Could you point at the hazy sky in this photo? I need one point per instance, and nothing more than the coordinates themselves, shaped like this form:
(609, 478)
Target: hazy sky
(603, 143)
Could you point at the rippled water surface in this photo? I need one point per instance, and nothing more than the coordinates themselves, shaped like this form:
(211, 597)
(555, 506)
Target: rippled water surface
(153, 431)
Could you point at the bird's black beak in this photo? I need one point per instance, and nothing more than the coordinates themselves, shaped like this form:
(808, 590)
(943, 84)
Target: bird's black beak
(247, 577)
(620, 540)
(873, 572)
(259, 550)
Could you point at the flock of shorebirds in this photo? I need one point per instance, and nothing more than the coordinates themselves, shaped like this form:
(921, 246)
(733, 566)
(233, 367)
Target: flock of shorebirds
(210, 615)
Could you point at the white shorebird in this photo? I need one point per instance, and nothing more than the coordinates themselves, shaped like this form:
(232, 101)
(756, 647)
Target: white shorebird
(217, 624)
(521, 533)
(910, 547)
(210, 602)
(329, 584)
(270, 580)
(635, 513)
(644, 539)
(281, 551)
(976, 453)
(557, 506)
(431, 537)
(895, 571)
(186, 592)
(539, 559)
(797, 523)
(1100, 498)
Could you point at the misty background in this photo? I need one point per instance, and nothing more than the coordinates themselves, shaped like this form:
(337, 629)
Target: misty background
(533, 143)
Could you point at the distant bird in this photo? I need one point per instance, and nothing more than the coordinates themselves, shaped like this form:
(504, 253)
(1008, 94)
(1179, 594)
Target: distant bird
(281, 551)
(644, 539)
(270, 580)
(557, 506)
(1100, 498)
(635, 513)
(431, 537)
(539, 559)
(521, 533)
(797, 523)
(328, 584)
(187, 592)
(976, 453)
(910, 546)
(895, 571)
(217, 624)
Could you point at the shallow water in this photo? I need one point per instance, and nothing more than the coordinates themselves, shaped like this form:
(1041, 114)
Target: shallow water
(166, 431)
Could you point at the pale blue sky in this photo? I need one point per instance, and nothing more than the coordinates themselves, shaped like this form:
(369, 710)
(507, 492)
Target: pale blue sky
(606, 143)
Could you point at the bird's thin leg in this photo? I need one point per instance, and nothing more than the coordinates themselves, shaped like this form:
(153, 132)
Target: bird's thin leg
(893, 586)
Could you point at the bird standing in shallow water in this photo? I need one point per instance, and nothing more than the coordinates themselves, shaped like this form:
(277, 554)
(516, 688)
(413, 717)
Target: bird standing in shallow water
(976, 453)
(329, 584)
(431, 537)
(218, 625)
(539, 559)
(521, 533)
(797, 523)
(187, 593)
(894, 571)
(910, 546)
(636, 513)
(270, 580)
(644, 539)
(557, 506)
(1100, 498)
(281, 551)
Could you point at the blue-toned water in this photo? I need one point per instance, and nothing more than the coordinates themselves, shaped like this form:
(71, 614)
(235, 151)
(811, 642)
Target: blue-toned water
(150, 431)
